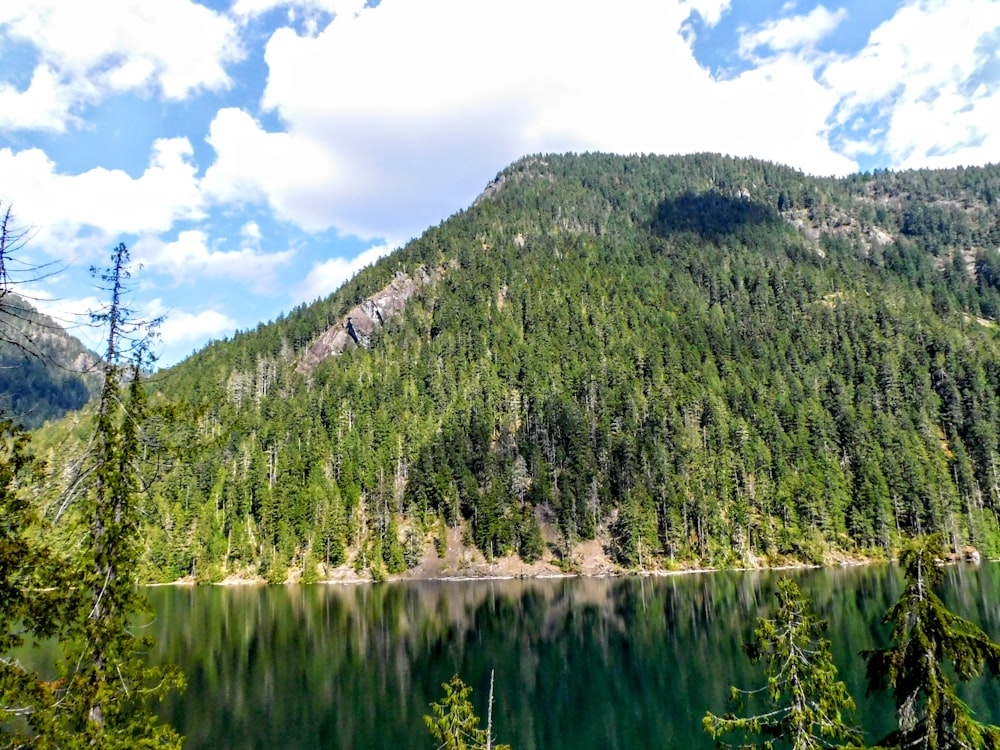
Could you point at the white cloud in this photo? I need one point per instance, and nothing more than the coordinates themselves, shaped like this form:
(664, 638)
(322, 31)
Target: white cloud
(246, 9)
(328, 276)
(393, 117)
(250, 233)
(290, 173)
(189, 258)
(710, 10)
(176, 47)
(927, 85)
(178, 330)
(396, 116)
(72, 313)
(61, 206)
(44, 105)
(792, 32)
(380, 121)
(779, 110)
(181, 328)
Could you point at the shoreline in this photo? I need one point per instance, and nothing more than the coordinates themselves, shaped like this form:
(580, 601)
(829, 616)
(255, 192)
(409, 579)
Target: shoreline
(349, 577)
(461, 563)
(353, 579)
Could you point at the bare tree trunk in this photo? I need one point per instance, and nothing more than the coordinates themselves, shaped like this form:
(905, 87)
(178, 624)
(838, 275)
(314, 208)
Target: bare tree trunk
(489, 717)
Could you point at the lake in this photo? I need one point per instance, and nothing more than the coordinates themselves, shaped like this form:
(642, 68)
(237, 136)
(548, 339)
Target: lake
(581, 663)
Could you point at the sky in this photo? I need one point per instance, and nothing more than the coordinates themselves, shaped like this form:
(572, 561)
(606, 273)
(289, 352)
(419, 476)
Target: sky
(255, 154)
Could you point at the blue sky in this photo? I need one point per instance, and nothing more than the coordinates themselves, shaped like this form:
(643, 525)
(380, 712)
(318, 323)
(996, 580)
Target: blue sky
(255, 154)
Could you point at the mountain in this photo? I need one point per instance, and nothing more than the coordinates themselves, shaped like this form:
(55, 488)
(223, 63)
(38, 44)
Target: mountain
(654, 361)
(44, 371)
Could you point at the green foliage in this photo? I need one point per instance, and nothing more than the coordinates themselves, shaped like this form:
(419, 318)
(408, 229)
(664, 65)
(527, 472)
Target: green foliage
(309, 572)
(454, 724)
(32, 599)
(634, 531)
(104, 694)
(530, 544)
(393, 553)
(926, 637)
(805, 703)
(630, 347)
(37, 390)
(87, 597)
(441, 537)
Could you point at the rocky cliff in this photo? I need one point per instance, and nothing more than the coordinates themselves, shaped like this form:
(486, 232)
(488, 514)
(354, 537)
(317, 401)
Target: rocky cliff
(361, 322)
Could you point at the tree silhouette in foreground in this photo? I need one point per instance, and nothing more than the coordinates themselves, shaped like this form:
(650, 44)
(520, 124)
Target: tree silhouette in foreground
(925, 635)
(805, 703)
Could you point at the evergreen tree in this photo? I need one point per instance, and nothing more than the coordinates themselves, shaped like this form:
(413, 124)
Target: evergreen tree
(454, 724)
(31, 593)
(805, 701)
(530, 543)
(103, 697)
(925, 636)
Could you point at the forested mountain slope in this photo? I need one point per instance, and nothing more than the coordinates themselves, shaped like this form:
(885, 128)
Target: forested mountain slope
(694, 360)
(44, 371)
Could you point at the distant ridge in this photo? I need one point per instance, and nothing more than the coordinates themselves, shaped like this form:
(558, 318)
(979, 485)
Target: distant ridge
(44, 371)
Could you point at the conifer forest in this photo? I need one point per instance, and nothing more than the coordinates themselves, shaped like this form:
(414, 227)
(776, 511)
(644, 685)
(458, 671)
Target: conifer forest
(693, 361)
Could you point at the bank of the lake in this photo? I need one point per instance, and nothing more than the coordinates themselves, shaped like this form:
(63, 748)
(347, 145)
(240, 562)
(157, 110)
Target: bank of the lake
(587, 662)
(460, 562)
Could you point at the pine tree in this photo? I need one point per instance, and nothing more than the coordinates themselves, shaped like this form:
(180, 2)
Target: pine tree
(455, 725)
(104, 695)
(806, 702)
(31, 592)
(925, 635)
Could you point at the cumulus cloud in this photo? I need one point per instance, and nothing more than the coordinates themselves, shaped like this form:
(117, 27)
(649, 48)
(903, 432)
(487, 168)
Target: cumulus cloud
(925, 90)
(327, 276)
(106, 201)
(780, 110)
(190, 257)
(248, 9)
(381, 145)
(710, 10)
(378, 121)
(182, 328)
(174, 47)
(291, 173)
(178, 329)
(792, 32)
(44, 105)
(250, 233)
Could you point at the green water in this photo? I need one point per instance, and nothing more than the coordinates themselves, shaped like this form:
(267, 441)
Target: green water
(580, 664)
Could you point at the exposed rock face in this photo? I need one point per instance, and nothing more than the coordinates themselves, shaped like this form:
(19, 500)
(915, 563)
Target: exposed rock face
(836, 222)
(363, 320)
(494, 187)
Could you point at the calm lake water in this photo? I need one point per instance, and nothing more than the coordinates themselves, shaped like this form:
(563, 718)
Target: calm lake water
(585, 664)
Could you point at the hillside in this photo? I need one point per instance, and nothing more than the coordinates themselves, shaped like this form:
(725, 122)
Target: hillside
(673, 361)
(44, 371)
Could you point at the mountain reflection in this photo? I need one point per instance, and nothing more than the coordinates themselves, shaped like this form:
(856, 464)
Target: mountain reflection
(579, 663)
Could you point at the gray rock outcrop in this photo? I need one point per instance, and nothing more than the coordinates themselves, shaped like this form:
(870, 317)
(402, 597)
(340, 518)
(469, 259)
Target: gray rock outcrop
(364, 319)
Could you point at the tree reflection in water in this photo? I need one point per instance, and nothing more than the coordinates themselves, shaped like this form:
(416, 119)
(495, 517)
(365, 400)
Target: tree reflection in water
(580, 663)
